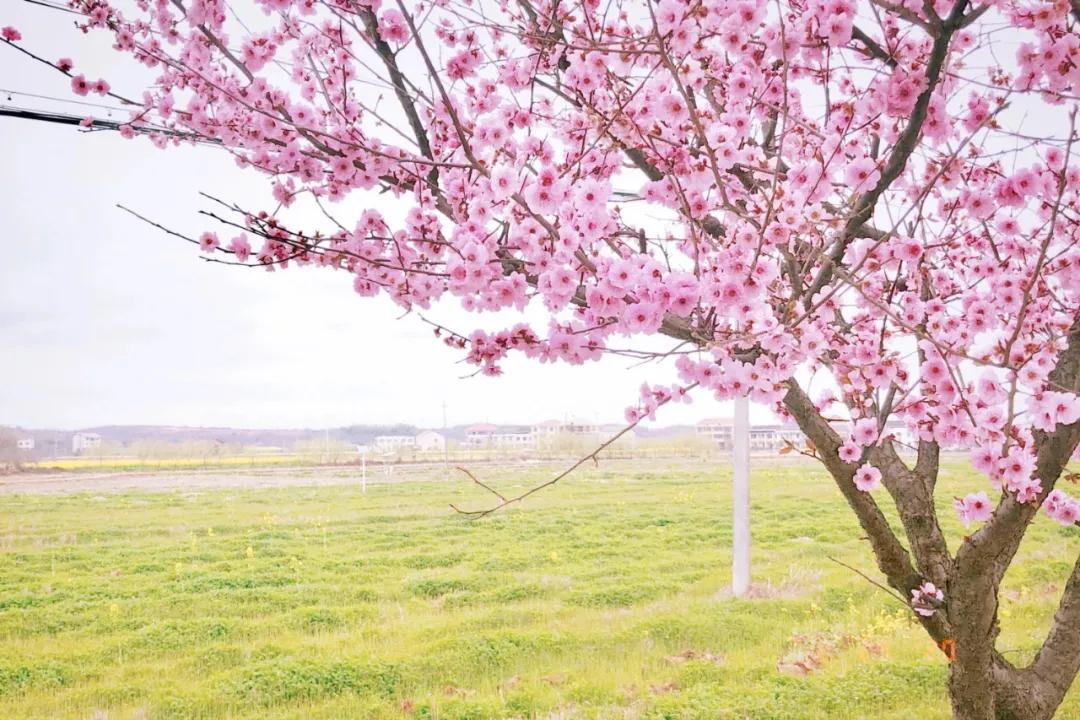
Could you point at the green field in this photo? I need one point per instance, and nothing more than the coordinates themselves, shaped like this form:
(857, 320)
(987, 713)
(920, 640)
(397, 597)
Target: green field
(599, 598)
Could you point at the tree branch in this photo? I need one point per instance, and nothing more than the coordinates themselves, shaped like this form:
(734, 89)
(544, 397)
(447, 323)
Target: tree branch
(905, 146)
(994, 545)
(893, 559)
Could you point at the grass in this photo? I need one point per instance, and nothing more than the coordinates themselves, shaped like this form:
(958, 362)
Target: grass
(600, 598)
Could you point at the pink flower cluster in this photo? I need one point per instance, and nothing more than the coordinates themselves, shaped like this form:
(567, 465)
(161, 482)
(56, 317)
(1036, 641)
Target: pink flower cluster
(1049, 409)
(927, 599)
(81, 86)
(1062, 508)
(653, 397)
(1014, 471)
(697, 173)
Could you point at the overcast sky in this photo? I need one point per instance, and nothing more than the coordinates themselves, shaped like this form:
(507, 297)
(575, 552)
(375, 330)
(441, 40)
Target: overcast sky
(105, 320)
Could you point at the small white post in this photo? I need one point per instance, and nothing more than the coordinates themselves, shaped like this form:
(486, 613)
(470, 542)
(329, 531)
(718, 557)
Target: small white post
(740, 499)
(446, 446)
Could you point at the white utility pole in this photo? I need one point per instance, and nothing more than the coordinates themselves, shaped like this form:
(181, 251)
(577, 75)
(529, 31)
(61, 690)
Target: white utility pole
(445, 446)
(740, 499)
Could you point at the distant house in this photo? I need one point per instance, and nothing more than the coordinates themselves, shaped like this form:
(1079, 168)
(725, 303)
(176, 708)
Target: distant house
(762, 437)
(546, 430)
(717, 430)
(488, 436)
(430, 441)
(578, 426)
(480, 435)
(394, 443)
(513, 440)
(84, 441)
(774, 437)
(25, 444)
(549, 429)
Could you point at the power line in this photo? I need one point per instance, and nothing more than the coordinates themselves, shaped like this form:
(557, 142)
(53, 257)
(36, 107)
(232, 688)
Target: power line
(54, 6)
(53, 117)
(96, 124)
(9, 93)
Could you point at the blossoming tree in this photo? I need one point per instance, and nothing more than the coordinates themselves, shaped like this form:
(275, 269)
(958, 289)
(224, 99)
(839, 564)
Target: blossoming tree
(877, 199)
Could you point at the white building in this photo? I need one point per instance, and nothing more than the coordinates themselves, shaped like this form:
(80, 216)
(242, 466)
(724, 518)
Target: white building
(480, 435)
(25, 444)
(83, 441)
(550, 429)
(512, 440)
(774, 437)
(762, 437)
(430, 441)
(488, 436)
(546, 429)
(717, 430)
(581, 427)
(392, 443)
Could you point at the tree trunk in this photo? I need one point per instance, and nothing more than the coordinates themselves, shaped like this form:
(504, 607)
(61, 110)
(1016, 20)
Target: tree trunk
(985, 686)
(971, 606)
(982, 684)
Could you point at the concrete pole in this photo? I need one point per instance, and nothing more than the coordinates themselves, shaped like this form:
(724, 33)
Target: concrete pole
(445, 446)
(740, 498)
(363, 472)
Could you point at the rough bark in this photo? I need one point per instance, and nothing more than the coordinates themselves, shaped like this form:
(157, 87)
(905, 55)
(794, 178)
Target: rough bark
(983, 685)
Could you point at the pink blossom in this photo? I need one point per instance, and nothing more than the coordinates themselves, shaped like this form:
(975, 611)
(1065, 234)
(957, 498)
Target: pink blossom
(504, 182)
(934, 371)
(926, 599)
(864, 432)
(985, 460)
(392, 26)
(65, 64)
(1050, 409)
(1061, 508)
(972, 508)
(1016, 467)
(1028, 491)
(240, 248)
(860, 175)
(849, 452)
(208, 242)
(10, 34)
(101, 87)
(673, 109)
(867, 478)
(642, 317)
(80, 85)
(592, 194)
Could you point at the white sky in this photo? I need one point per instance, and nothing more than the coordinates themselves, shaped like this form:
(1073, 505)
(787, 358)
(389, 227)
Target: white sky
(105, 320)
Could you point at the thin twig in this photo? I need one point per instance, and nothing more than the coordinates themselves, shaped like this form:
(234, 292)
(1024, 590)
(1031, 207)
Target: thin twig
(872, 581)
(477, 514)
(490, 489)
